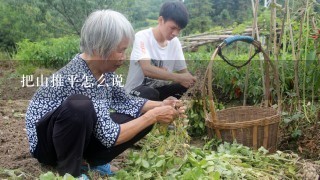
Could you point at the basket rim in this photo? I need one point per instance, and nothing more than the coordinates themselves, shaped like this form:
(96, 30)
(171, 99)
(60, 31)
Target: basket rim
(247, 107)
(261, 121)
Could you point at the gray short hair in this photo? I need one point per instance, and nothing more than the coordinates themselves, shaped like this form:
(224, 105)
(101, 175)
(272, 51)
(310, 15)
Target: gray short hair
(103, 31)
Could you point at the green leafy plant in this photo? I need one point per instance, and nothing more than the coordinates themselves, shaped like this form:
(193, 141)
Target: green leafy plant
(51, 53)
(229, 161)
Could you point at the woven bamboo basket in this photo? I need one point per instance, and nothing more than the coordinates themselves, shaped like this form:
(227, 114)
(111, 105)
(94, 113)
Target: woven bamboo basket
(251, 126)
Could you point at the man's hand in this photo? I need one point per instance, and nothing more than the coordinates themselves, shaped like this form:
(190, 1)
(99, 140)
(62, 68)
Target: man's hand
(185, 79)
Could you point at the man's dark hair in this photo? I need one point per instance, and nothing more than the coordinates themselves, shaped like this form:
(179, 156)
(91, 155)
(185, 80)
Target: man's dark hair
(175, 11)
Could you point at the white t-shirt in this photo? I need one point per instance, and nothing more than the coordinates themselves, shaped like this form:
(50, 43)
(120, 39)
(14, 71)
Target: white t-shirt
(145, 46)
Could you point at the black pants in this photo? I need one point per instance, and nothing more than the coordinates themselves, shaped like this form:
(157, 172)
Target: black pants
(66, 137)
(160, 93)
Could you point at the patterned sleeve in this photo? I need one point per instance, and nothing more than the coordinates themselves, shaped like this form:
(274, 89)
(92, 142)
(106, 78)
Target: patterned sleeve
(107, 131)
(125, 103)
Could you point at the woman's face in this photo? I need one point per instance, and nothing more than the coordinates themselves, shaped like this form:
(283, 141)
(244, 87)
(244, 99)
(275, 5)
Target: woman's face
(118, 56)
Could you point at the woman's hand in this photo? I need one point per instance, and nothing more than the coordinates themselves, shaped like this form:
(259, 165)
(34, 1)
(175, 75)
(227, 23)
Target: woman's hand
(172, 101)
(163, 114)
(165, 111)
(176, 104)
(181, 110)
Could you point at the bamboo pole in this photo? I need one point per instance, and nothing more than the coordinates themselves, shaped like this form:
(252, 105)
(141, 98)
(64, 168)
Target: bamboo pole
(305, 63)
(276, 65)
(277, 49)
(261, 57)
(245, 91)
(284, 41)
(296, 61)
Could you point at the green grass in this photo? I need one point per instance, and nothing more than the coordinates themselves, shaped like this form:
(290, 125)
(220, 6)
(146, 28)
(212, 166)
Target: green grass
(4, 56)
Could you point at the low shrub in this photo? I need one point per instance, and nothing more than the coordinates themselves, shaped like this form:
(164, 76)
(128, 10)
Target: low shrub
(51, 53)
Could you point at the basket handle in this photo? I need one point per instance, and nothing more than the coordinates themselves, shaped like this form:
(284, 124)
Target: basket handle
(208, 90)
(208, 75)
(230, 40)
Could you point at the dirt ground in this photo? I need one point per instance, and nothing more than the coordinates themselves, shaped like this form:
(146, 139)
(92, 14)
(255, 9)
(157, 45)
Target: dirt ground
(14, 151)
(14, 148)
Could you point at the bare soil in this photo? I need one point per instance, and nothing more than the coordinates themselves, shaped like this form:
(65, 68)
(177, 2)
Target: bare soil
(307, 146)
(14, 151)
(14, 146)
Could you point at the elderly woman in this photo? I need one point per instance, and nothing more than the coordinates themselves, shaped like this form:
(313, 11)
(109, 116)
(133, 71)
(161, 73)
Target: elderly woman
(82, 114)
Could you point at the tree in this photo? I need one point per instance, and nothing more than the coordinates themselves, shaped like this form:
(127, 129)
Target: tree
(15, 26)
(70, 15)
(221, 12)
(199, 13)
(225, 17)
(139, 12)
(43, 19)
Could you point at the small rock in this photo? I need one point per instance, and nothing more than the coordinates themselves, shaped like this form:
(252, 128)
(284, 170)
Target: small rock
(18, 115)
